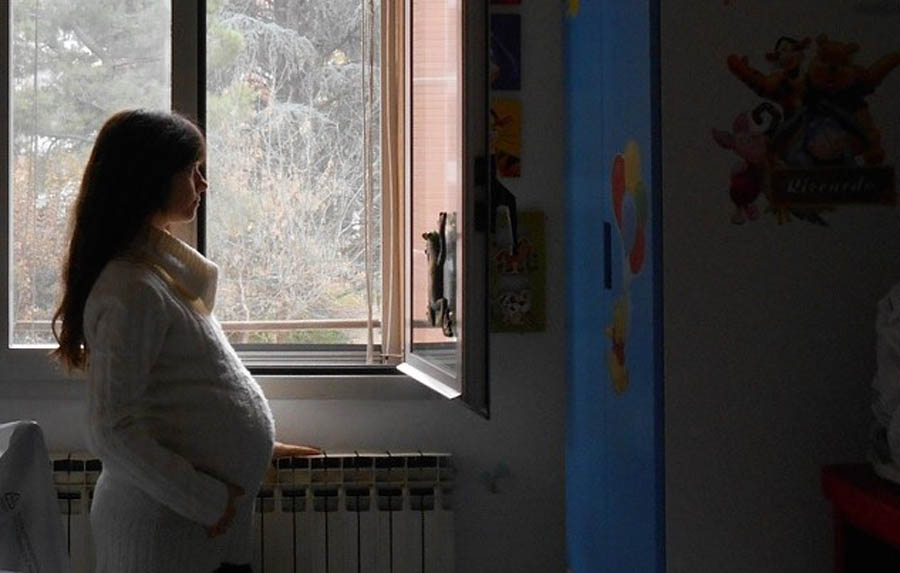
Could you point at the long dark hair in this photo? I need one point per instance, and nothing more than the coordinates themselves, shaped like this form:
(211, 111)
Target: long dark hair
(127, 180)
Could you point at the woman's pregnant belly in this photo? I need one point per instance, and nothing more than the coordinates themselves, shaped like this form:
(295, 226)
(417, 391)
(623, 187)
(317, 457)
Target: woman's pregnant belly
(223, 427)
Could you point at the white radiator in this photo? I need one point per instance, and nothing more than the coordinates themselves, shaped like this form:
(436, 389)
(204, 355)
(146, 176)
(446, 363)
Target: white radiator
(335, 513)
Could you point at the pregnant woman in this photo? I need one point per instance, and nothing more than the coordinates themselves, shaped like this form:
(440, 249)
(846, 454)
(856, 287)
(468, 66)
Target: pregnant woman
(181, 427)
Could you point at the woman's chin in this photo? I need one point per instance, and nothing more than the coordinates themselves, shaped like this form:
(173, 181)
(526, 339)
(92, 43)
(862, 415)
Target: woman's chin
(185, 218)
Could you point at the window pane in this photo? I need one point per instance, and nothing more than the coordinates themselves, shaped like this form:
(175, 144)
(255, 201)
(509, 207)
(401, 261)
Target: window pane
(436, 180)
(73, 65)
(286, 209)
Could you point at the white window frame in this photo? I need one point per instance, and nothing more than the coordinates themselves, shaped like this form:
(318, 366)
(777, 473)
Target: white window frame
(28, 372)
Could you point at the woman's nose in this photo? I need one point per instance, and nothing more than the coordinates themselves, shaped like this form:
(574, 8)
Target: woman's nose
(200, 182)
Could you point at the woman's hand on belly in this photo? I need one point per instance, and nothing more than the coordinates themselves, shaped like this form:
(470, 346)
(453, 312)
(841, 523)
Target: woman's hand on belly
(234, 492)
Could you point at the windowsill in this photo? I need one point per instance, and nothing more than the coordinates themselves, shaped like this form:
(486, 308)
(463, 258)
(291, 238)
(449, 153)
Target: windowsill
(306, 387)
(360, 387)
(31, 375)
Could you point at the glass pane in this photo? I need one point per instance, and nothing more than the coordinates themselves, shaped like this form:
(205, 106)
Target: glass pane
(73, 65)
(436, 195)
(286, 212)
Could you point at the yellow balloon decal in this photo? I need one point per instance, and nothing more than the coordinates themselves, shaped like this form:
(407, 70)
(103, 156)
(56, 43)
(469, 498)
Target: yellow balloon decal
(632, 165)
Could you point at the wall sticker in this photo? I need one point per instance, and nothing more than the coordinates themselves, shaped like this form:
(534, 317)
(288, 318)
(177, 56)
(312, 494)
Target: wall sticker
(812, 143)
(506, 136)
(630, 203)
(518, 274)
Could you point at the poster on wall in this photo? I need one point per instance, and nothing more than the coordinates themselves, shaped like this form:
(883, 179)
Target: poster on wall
(517, 278)
(505, 51)
(631, 210)
(506, 136)
(811, 143)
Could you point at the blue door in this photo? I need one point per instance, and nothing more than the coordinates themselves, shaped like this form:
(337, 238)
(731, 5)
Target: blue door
(614, 457)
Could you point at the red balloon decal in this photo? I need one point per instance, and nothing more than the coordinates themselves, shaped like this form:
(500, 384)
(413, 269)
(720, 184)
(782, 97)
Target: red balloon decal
(636, 256)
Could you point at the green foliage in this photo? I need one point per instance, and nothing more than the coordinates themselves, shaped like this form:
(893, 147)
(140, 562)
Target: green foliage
(286, 161)
(73, 64)
(223, 45)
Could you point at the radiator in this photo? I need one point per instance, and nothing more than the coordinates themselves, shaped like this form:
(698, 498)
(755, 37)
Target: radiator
(334, 513)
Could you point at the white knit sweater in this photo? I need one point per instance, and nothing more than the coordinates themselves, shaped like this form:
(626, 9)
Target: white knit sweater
(172, 415)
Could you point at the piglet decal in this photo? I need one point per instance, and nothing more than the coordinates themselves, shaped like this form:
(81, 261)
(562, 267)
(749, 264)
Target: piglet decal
(748, 140)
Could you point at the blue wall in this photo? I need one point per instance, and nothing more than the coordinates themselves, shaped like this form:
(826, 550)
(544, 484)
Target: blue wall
(614, 457)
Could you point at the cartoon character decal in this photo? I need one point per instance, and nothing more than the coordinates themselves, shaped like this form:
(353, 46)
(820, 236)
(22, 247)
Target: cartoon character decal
(516, 262)
(751, 144)
(784, 86)
(813, 139)
(517, 274)
(514, 306)
(631, 209)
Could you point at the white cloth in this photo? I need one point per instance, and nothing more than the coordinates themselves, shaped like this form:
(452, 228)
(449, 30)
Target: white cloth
(173, 415)
(31, 532)
(885, 439)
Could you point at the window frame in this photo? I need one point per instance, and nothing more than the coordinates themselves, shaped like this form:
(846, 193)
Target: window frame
(31, 368)
(470, 384)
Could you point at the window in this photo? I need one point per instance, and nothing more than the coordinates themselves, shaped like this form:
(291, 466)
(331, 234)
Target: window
(339, 132)
(293, 216)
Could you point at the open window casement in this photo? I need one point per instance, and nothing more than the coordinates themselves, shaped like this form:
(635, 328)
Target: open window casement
(445, 194)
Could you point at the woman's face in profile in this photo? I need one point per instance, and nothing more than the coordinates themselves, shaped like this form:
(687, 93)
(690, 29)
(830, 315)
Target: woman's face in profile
(187, 187)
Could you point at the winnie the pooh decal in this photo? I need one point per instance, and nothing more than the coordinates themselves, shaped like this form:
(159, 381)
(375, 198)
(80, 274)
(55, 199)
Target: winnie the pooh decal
(812, 143)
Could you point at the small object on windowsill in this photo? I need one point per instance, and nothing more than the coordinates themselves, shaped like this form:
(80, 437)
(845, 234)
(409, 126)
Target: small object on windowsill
(438, 309)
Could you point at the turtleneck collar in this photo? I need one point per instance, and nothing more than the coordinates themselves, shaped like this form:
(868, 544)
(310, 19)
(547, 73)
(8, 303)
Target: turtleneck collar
(194, 276)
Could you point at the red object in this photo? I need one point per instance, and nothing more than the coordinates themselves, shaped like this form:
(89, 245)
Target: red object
(862, 500)
(636, 257)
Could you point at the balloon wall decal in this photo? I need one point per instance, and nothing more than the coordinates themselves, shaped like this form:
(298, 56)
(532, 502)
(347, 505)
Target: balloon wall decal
(631, 210)
(630, 206)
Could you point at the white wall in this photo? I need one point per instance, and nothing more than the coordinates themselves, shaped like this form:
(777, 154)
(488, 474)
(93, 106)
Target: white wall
(769, 330)
(521, 528)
